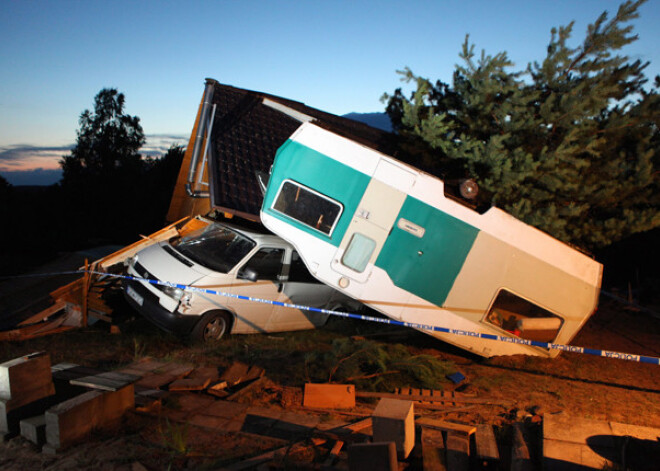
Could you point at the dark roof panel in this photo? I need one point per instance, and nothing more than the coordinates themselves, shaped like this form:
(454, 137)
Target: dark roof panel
(246, 135)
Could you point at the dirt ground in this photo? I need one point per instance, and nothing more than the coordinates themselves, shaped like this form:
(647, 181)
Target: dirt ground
(516, 388)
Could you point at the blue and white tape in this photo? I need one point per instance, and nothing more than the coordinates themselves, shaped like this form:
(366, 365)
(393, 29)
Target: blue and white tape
(434, 328)
(383, 320)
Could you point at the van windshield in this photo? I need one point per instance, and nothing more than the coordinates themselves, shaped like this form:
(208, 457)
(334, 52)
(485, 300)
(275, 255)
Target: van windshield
(215, 247)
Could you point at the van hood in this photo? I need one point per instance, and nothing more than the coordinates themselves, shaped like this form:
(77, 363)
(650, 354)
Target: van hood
(165, 267)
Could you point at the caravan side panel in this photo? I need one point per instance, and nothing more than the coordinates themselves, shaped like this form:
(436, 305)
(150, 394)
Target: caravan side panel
(392, 240)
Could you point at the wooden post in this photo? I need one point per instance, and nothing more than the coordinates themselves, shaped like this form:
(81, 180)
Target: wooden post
(85, 290)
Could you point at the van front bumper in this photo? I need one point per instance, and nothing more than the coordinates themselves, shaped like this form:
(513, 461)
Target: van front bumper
(173, 322)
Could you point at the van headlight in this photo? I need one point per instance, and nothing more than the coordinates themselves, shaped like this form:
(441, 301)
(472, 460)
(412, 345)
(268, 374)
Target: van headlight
(173, 292)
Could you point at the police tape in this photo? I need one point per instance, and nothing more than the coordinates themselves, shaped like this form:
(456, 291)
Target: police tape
(382, 320)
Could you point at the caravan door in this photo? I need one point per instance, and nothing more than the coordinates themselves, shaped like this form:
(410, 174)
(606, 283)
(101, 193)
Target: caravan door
(373, 220)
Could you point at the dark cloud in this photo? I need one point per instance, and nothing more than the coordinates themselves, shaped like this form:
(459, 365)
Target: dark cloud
(18, 154)
(35, 165)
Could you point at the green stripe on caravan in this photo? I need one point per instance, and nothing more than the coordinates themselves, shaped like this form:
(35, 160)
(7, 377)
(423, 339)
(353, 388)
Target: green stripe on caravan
(299, 163)
(401, 256)
(411, 261)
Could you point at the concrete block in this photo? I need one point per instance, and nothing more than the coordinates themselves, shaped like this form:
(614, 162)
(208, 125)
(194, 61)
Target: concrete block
(34, 429)
(331, 396)
(10, 419)
(26, 379)
(379, 456)
(394, 420)
(114, 405)
(73, 420)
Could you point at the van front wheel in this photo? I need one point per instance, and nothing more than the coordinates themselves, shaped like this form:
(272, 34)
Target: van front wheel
(212, 326)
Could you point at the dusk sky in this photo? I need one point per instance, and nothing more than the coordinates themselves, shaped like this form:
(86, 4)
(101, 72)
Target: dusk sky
(338, 56)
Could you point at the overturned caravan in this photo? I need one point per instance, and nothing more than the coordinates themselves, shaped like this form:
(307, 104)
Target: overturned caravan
(385, 233)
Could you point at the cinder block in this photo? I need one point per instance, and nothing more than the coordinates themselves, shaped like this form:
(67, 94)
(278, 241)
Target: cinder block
(71, 421)
(114, 404)
(379, 456)
(34, 429)
(26, 379)
(394, 420)
(331, 396)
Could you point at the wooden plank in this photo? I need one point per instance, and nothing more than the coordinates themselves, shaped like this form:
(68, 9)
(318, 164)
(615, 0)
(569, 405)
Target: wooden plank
(253, 373)
(244, 390)
(255, 461)
(85, 293)
(334, 453)
(458, 451)
(34, 331)
(488, 455)
(520, 458)
(447, 426)
(43, 315)
(210, 372)
(235, 373)
(107, 381)
(189, 384)
(346, 432)
(433, 450)
(93, 312)
(329, 396)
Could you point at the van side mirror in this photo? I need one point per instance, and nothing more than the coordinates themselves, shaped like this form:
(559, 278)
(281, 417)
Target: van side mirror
(247, 273)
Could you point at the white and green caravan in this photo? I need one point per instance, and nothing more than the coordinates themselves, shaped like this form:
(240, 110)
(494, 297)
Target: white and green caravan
(385, 233)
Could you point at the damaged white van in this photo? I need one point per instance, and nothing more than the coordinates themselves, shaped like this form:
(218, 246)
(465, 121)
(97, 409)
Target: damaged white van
(232, 260)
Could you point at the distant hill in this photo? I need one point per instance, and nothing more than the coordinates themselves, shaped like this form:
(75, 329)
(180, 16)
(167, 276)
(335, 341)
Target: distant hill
(376, 120)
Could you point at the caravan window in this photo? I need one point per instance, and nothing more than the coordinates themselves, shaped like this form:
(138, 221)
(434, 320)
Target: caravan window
(307, 206)
(523, 318)
(358, 252)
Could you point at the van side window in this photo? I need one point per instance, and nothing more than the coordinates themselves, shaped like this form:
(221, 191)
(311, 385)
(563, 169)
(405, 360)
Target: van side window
(523, 318)
(358, 252)
(267, 262)
(307, 206)
(298, 271)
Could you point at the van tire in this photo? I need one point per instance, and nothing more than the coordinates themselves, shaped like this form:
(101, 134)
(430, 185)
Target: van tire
(213, 325)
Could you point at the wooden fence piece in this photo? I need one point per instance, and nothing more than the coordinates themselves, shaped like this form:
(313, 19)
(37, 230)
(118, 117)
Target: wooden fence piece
(419, 397)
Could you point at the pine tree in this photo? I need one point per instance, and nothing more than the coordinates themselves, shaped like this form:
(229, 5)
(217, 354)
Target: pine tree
(569, 145)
